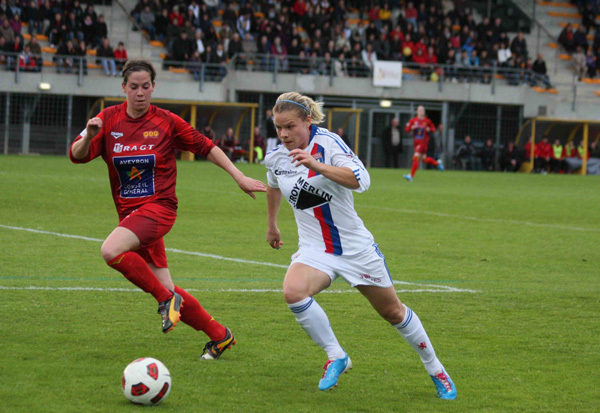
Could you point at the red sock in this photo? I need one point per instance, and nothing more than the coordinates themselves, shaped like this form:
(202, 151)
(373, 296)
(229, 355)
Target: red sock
(196, 317)
(136, 270)
(430, 161)
(415, 165)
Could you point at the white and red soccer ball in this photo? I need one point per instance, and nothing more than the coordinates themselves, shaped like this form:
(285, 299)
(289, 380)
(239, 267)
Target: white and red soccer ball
(146, 381)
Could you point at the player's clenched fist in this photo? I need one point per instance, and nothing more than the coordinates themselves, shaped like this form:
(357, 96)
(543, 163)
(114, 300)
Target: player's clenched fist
(93, 127)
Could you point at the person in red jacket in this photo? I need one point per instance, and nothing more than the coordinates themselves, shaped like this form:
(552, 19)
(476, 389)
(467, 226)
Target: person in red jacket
(137, 141)
(299, 10)
(543, 155)
(420, 126)
(120, 56)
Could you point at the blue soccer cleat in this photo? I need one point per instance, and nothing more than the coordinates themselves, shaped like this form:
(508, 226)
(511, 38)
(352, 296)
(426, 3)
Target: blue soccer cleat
(408, 178)
(440, 165)
(445, 387)
(333, 370)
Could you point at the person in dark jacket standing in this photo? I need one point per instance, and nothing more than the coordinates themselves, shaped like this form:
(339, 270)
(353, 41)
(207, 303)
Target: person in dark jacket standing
(392, 143)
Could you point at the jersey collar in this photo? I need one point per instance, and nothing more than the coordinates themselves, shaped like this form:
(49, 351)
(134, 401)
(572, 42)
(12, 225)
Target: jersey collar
(313, 131)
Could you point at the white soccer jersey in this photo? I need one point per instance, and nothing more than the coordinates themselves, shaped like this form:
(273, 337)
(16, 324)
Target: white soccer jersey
(324, 210)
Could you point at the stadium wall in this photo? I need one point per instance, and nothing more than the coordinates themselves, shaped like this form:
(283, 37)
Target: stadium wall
(181, 88)
(463, 108)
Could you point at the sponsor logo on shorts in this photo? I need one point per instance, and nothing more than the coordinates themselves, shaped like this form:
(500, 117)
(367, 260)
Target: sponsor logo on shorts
(151, 134)
(116, 135)
(370, 277)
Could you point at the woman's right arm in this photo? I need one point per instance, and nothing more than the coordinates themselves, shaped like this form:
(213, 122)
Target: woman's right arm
(81, 148)
(273, 235)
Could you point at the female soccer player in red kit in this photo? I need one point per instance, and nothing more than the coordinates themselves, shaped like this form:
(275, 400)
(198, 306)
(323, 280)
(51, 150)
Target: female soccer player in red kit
(137, 141)
(421, 126)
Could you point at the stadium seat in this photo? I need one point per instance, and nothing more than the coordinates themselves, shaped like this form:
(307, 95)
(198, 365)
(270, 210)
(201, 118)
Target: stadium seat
(178, 70)
(407, 71)
(573, 25)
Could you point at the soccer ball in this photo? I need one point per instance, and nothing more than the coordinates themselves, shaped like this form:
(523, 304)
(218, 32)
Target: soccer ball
(146, 381)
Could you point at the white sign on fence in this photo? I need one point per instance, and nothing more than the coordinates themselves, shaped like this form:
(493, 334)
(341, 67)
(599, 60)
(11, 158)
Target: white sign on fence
(387, 74)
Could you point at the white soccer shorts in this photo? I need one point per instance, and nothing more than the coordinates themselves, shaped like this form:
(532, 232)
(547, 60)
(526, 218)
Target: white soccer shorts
(366, 268)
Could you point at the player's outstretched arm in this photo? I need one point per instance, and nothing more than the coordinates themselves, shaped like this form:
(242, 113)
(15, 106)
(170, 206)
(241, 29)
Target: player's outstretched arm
(81, 148)
(273, 235)
(248, 185)
(340, 175)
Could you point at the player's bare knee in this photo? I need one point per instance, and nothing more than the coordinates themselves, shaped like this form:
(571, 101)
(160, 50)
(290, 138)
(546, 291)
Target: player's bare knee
(109, 252)
(394, 315)
(293, 294)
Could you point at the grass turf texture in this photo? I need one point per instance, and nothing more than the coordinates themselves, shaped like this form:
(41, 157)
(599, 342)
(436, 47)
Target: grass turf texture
(526, 340)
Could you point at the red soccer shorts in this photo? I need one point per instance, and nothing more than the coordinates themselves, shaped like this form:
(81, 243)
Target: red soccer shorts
(421, 148)
(150, 223)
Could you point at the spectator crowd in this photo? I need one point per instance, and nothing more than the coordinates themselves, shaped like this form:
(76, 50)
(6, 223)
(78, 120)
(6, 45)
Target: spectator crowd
(71, 28)
(341, 38)
(322, 37)
(579, 42)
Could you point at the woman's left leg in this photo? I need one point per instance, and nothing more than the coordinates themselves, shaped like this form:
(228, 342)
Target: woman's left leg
(388, 305)
(193, 314)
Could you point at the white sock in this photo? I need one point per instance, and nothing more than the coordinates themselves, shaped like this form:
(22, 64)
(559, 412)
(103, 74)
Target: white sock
(314, 321)
(414, 333)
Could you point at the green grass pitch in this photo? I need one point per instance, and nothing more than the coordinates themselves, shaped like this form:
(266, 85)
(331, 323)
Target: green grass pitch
(503, 270)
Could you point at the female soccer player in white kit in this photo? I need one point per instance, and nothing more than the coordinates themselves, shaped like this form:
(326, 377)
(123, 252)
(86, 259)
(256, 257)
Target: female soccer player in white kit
(316, 172)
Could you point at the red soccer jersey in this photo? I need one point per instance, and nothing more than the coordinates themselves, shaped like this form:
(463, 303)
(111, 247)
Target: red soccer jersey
(140, 154)
(420, 133)
(543, 150)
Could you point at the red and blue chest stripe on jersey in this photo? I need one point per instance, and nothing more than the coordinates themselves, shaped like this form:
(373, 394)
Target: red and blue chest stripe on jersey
(331, 235)
(317, 152)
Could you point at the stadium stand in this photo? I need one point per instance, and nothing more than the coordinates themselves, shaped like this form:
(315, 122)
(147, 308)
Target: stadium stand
(440, 43)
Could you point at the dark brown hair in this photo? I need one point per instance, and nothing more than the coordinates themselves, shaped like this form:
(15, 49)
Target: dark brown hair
(137, 65)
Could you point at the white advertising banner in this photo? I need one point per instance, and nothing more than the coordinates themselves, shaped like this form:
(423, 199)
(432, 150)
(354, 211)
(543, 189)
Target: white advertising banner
(387, 74)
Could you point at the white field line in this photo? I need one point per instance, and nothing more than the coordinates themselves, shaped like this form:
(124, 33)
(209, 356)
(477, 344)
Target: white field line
(469, 218)
(228, 290)
(200, 254)
(400, 210)
(431, 287)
